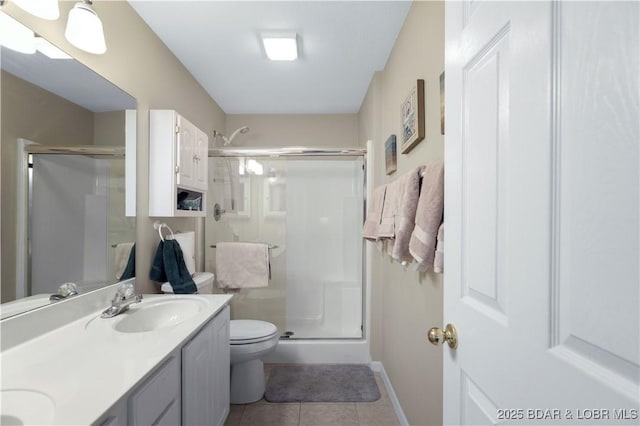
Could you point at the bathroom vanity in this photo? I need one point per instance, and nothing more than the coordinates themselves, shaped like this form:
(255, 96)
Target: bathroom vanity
(164, 361)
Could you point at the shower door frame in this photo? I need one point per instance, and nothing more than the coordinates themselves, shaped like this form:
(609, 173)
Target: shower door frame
(317, 152)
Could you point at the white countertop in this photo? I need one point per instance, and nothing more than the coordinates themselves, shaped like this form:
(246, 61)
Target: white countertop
(85, 366)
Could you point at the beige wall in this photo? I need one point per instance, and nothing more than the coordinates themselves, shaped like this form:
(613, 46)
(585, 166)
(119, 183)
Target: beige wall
(277, 130)
(405, 303)
(141, 65)
(59, 122)
(108, 128)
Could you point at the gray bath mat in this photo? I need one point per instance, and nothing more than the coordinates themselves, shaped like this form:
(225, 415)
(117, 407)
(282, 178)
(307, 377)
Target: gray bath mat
(321, 383)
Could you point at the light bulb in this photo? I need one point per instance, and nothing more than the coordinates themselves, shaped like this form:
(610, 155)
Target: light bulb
(84, 29)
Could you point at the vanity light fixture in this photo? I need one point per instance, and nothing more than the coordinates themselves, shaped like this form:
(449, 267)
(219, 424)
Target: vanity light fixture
(280, 47)
(84, 29)
(16, 36)
(45, 9)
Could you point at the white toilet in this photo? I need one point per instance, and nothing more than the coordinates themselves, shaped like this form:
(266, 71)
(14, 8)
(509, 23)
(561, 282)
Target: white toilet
(250, 341)
(203, 280)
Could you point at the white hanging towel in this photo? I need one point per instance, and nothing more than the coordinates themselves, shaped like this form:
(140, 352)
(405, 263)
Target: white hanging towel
(242, 265)
(422, 245)
(438, 260)
(404, 219)
(374, 215)
(389, 206)
(187, 241)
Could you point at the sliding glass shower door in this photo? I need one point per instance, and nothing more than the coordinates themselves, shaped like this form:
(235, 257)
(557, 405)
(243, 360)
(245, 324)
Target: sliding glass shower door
(76, 219)
(310, 209)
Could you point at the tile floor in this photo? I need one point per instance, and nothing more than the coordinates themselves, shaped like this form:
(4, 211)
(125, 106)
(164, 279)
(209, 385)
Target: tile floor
(263, 413)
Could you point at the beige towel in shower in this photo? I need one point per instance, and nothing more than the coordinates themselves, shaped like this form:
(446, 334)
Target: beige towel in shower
(242, 265)
(121, 257)
(438, 261)
(409, 185)
(374, 215)
(422, 245)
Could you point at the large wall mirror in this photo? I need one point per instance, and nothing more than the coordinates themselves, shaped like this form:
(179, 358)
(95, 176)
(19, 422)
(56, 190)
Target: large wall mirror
(66, 178)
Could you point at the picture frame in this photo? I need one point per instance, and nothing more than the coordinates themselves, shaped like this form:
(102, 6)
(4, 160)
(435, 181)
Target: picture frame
(442, 103)
(412, 117)
(390, 155)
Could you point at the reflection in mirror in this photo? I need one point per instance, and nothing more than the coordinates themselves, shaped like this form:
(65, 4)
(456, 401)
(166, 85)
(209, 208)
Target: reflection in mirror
(64, 131)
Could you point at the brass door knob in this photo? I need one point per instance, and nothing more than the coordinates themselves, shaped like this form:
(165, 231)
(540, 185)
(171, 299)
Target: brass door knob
(438, 336)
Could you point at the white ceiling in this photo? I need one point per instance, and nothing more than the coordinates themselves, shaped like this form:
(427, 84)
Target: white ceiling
(342, 44)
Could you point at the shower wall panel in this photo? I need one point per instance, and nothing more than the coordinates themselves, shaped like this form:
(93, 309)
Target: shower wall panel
(324, 248)
(68, 223)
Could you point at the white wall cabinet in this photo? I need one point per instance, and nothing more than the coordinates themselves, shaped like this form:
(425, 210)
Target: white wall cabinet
(178, 154)
(191, 387)
(205, 397)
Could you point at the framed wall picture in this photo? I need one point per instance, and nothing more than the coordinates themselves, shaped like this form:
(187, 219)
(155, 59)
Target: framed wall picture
(390, 156)
(442, 103)
(412, 116)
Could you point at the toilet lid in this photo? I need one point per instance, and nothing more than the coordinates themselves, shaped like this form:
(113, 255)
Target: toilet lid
(245, 331)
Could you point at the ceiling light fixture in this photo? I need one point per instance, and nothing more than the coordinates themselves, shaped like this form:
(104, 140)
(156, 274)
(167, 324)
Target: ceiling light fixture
(84, 29)
(281, 47)
(45, 9)
(16, 36)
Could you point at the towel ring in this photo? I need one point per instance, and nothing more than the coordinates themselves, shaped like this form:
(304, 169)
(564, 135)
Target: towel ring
(157, 225)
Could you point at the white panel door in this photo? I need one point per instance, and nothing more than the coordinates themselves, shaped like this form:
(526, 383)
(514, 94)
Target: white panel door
(542, 173)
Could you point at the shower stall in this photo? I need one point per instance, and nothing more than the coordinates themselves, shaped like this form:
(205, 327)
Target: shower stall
(308, 205)
(75, 217)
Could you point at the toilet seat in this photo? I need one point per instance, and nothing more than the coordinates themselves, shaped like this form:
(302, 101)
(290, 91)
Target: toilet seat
(244, 332)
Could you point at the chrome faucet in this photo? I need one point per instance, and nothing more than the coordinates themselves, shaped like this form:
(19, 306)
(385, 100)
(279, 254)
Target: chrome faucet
(64, 291)
(125, 297)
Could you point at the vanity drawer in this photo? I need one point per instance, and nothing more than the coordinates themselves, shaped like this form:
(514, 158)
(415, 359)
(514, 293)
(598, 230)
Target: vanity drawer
(158, 399)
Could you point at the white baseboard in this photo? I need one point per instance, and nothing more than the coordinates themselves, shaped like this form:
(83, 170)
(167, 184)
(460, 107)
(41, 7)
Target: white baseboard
(379, 368)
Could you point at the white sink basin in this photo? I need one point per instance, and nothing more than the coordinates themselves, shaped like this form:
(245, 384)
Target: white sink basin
(25, 407)
(150, 316)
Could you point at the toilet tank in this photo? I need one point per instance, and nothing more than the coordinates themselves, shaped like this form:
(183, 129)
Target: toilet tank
(203, 280)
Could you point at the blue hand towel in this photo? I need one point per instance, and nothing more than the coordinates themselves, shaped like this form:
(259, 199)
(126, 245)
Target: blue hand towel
(168, 265)
(130, 269)
(157, 272)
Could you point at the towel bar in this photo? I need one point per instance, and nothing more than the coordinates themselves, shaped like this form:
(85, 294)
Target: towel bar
(270, 246)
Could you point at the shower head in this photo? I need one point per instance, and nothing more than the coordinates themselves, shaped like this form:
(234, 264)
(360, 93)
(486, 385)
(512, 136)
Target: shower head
(242, 130)
(227, 140)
